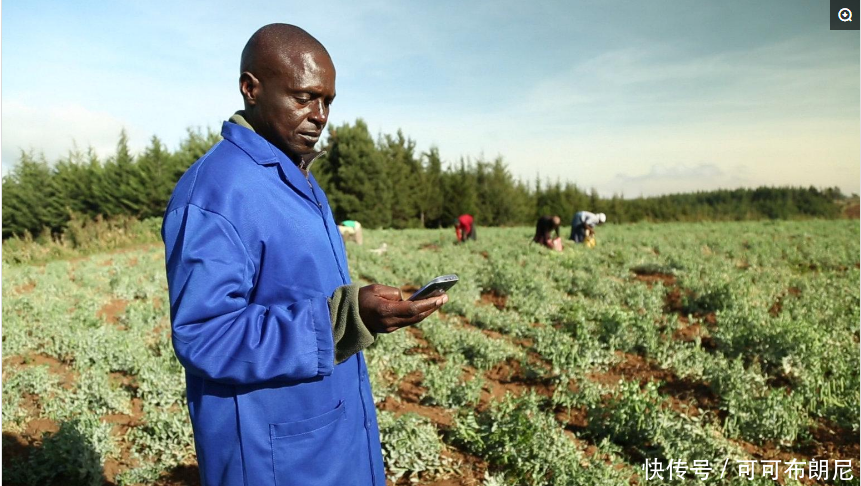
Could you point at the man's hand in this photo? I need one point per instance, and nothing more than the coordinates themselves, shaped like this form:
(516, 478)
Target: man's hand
(383, 310)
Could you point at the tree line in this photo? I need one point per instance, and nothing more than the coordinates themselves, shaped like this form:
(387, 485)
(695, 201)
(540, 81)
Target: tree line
(382, 182)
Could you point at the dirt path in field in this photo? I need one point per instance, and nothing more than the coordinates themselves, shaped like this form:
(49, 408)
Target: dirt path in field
(674, 304)
(828, 441)
(650, 277)
(62, 371)
(185, 475)
(507, 377)
(494, 299)
(684, 396)
(25, 288)
(111, 311)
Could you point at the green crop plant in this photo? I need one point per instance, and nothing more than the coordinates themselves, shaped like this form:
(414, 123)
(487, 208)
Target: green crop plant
(639, 418)
(165, 437)
(412, 447)
(529, 445)
(469, 345)
(389, 359)
(446, 386)
(35, 381)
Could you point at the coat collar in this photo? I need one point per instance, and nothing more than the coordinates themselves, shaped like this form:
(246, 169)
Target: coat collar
(264, 153)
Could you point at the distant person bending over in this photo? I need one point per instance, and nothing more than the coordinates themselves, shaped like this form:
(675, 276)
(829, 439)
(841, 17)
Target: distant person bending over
(543, 232)
(464, 228)
(351, 230)
(584, 223)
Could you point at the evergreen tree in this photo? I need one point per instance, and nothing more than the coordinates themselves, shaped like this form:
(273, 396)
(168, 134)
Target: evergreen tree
(75, 184)
(403, 173)
(153, 178)
(501, 202)
(551, 201)
(431, 191)
(459, 186)
(119, 192)
(358, 177)
(31, 201)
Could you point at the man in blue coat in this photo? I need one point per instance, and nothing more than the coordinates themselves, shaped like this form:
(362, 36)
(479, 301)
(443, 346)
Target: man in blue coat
(264, 317)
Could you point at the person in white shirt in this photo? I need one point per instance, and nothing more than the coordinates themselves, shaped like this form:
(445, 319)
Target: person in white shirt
(584, 222)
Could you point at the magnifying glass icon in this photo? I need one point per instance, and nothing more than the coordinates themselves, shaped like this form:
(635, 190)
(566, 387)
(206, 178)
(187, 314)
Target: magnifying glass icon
(845, 15)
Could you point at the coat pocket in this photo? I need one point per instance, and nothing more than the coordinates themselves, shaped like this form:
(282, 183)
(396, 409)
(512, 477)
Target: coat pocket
(305, 452)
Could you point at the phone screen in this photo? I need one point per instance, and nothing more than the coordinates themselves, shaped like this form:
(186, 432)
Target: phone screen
(435, 287)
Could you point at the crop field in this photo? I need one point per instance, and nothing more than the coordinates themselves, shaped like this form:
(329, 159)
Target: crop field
(716, 346)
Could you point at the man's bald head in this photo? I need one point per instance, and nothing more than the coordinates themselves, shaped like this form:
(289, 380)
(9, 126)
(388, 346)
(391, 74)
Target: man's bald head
(272, 45)
(287, 82)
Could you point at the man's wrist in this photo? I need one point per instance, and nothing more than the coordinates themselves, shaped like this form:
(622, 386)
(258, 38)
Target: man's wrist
(348, 330)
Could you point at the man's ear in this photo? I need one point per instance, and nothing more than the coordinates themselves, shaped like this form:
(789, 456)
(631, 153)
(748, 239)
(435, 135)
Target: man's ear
(249, 86)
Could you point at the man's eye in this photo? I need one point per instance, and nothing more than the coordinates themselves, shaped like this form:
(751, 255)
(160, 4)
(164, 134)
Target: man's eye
(303, 99)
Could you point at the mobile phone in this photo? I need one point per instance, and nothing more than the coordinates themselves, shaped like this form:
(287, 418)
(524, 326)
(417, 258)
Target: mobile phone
(435, 287)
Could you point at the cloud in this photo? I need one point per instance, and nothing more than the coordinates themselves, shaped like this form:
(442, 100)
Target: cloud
(53, 131)
(658, 83)
(676, 172)
(665, 179)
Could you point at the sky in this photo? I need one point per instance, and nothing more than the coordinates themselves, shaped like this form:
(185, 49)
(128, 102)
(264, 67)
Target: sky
(627, 97)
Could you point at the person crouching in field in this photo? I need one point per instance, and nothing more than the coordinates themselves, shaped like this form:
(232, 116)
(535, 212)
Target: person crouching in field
(583, 226)
(351, 230)
(464, 228)
(543, 232)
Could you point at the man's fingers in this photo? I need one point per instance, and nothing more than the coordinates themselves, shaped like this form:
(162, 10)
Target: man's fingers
(388, 293)
(420, 317)
(408, 309)
(395, 323)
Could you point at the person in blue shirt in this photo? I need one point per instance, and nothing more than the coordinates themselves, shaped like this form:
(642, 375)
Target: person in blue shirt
(264, 317)
(583, 225)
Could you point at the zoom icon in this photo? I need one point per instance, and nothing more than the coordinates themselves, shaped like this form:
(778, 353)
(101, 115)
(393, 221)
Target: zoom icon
(843, 14)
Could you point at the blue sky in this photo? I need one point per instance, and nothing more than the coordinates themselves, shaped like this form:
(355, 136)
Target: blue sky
(627, 97)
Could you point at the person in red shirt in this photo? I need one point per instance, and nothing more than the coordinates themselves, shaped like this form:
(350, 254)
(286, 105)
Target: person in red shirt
(464, 228)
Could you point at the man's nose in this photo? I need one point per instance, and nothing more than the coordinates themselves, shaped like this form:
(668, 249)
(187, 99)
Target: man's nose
(319, 113)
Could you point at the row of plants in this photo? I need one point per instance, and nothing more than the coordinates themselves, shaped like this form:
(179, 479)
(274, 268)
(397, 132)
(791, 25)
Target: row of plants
(675, 341)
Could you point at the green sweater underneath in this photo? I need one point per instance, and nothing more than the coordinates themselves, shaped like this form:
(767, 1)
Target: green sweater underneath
(348, 330)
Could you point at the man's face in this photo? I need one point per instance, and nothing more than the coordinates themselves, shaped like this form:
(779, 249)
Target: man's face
(292, 103)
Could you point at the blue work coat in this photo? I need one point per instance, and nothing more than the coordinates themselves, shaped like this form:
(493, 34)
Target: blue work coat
(252, 255)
